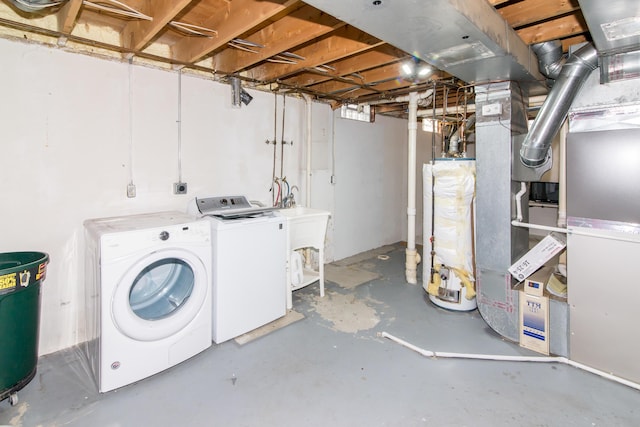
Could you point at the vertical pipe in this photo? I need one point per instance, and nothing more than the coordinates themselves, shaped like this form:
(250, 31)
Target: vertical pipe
(179, 125)
(307, 100)
(284, 99)
(562, 176)
(412, 257)
(130, 87)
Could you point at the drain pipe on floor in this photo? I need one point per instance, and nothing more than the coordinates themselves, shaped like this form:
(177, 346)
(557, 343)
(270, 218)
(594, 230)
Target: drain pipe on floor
(412, 256)
(504, 358)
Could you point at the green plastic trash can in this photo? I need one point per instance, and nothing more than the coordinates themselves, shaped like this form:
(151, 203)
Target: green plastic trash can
(21, 274)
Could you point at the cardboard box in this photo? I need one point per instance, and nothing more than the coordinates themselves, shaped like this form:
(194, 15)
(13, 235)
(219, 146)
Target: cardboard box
(535, 284)
(534, 322)
(536, 257)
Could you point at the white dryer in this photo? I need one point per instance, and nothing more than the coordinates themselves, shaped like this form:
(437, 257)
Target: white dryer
(148, 295)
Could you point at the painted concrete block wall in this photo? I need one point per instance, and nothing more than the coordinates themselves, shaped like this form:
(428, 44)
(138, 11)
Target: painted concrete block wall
(370, 189)
(67, 149)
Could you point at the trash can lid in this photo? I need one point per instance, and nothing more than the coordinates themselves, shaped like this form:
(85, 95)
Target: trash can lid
(21, 268)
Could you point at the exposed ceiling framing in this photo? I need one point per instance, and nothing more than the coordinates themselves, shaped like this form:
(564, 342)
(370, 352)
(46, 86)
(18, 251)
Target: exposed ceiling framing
(283, 45)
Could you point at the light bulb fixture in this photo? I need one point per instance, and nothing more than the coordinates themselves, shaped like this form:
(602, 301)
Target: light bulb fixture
(424, 71)
(414, 70)
(239, 96)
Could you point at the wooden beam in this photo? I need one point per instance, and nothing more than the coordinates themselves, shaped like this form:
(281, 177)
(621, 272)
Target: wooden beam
(558, 28)
(297, 28)
(138, 33)
(379, 56)
(497, 2)
(67, 16)
(566, 43)
(527, 12)
(391, 85)
(239, 18)
(342, 43)
(371, 77)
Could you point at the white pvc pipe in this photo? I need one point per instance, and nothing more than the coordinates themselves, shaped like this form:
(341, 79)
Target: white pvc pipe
(562, 176)
(523, 189)
(538, 227)
(307, 104)
(504, 358)
(411, 253)
(576, 232)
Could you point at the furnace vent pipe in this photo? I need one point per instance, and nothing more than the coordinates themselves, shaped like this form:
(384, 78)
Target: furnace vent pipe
(554, 110)
(550, 59)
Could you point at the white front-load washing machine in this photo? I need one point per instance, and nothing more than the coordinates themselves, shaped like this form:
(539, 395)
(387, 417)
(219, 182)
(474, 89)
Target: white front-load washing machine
(148, 294)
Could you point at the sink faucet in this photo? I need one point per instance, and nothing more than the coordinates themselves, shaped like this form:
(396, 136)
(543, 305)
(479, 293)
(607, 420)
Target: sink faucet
(290, 200)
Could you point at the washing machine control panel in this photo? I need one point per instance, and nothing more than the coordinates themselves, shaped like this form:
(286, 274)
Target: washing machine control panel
(222, 203)
(164, 235)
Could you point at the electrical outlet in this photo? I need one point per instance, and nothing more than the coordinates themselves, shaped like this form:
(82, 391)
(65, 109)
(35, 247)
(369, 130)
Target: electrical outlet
(131, 191)
(179, 188)
(491, 110)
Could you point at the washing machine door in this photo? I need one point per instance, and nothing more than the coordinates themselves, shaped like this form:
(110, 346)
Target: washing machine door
(160, 295)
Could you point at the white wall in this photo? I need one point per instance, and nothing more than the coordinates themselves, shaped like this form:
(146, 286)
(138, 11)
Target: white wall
(370, 189)
(64, 126)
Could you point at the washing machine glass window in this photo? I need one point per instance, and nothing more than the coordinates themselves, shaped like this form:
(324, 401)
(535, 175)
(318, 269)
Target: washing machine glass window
(161, 288)
(160, 294)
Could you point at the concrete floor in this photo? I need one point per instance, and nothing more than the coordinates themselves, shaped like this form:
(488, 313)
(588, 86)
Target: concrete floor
(332, 369)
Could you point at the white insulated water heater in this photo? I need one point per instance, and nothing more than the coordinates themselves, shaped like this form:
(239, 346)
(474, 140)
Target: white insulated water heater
(449, 194)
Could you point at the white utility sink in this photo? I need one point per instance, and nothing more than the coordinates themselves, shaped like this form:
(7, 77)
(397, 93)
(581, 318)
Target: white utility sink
(306, 228)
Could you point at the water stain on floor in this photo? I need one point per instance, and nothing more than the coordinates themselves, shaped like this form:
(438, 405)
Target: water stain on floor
(348, 277)
(347, 313)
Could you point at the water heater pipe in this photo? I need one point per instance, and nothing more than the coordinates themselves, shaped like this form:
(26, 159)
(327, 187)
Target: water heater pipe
(412, 257)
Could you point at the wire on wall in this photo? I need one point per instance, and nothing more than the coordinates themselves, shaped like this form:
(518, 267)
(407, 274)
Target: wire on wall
(179, 187)
(131, 188)
(180, 125)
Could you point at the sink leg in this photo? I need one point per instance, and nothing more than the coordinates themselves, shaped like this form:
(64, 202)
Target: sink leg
(321, 270)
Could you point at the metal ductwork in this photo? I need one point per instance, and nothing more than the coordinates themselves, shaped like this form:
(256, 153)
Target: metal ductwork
(554, 110)
(616, 34)
(32, 6)
(550, 58)
(468, 39)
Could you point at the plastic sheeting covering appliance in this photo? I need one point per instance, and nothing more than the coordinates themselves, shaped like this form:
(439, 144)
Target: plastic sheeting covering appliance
(451, 284)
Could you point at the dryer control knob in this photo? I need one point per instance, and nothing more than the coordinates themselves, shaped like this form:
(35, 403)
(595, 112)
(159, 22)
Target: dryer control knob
(164, 235)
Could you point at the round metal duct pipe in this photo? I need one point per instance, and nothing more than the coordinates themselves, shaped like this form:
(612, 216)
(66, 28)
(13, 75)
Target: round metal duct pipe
(550, 58)
(554, 110)
(35, 5)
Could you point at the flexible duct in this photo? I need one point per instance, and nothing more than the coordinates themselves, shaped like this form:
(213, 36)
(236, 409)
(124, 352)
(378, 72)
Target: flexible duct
(35, 5)
(553, 112)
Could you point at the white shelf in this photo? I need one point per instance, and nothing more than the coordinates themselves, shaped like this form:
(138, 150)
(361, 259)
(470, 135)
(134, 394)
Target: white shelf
(309, 277)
